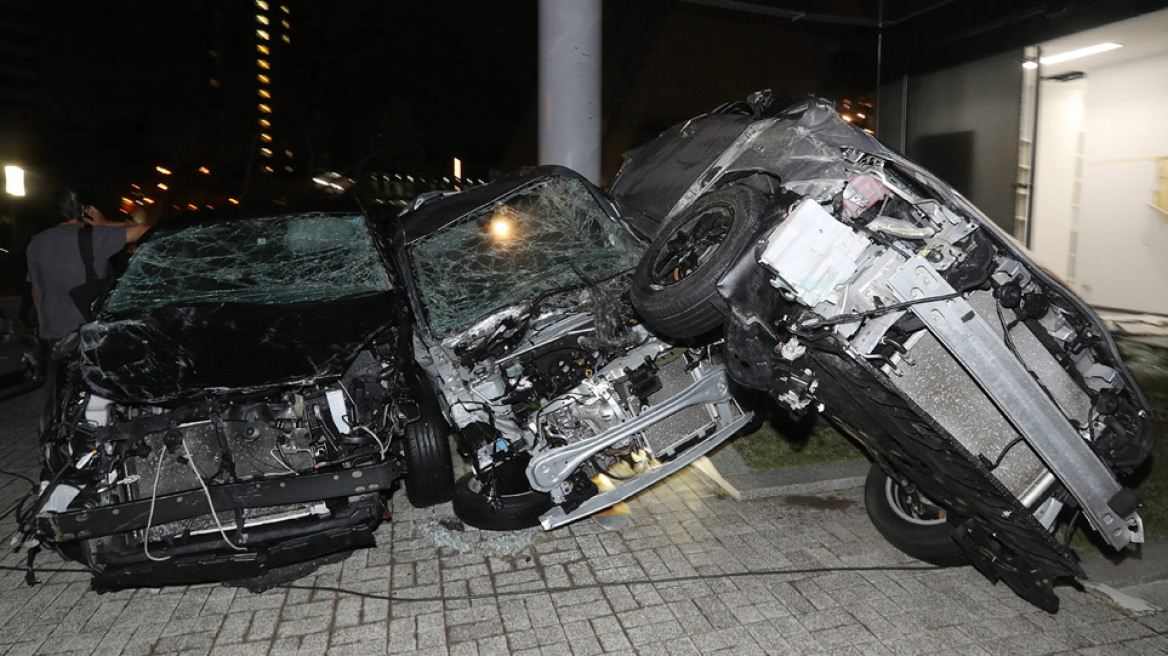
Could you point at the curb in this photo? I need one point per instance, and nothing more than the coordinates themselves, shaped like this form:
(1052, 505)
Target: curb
(725, 469)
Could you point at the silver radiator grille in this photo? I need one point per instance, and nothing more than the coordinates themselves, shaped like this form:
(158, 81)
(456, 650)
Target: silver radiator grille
(665, 436)
(939, 384)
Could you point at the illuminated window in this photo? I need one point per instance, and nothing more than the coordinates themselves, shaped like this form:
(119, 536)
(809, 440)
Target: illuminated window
(262, 4)
(288, 154)
(284, 8)
(162, 169)
(263, 63)
(267, 169)
(286, 39)
(265, 109)
(204, 170)
(262, 49)
(286, 25)
(214, 83)
(192, 207)
(149, 201)
(265, 137)
(264, 93)
(263, 34)
(266, 152)
(163, 186)
(265, 123)
(288, 169)
(232, 201)
(261, 19)
(264, 79)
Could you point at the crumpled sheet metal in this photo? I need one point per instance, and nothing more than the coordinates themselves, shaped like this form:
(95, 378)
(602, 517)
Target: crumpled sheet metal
(545, 236)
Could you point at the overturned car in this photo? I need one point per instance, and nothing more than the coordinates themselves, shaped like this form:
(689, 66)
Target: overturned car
(841, 275)
(242, 402)
(562, 401)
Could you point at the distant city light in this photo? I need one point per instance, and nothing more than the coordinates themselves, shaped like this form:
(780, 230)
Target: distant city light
(162, 186)
(846, 118)
(148, 200)
(859, 115)
(204, 170)
(14, 180)
(232, 201)
(192, 207)
(162, 170)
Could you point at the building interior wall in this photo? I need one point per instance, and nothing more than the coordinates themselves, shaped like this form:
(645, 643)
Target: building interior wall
(1116, 241)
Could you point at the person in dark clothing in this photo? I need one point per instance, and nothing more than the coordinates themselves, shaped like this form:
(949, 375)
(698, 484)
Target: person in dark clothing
(55, 265)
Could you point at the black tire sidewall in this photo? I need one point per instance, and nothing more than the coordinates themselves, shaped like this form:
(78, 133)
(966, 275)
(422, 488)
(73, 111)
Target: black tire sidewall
(429, 474)
(519, 511)
(691, 306)
(932, 544)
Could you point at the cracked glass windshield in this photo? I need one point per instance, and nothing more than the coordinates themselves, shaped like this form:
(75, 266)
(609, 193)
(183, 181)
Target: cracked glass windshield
(547, 236)
(270, 261)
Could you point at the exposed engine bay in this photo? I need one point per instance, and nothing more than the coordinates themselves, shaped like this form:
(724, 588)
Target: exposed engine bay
(562, 401)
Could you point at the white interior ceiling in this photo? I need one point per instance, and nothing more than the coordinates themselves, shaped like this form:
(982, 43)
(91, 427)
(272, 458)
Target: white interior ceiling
(1142, 36)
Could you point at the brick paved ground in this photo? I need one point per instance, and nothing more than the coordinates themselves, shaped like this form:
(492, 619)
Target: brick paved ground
(677, 529)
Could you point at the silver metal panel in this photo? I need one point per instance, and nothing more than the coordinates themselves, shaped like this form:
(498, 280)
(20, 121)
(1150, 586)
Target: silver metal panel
(987, 359)
(665, 435)
(937, 383)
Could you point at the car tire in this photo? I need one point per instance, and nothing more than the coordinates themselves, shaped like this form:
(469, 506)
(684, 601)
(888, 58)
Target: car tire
(429, 470)
(919, 534)
(675, 285)
(519, 510)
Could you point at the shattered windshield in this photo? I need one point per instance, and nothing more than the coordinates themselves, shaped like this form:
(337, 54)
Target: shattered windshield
(267, 261)
(546, 236)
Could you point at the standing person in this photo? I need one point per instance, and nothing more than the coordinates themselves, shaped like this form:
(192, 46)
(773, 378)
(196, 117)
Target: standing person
(56, 265)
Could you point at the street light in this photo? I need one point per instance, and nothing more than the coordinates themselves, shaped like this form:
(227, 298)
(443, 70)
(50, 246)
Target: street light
(14, 180)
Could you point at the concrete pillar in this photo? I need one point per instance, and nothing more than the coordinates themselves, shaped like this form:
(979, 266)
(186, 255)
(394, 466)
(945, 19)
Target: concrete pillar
(569, 85)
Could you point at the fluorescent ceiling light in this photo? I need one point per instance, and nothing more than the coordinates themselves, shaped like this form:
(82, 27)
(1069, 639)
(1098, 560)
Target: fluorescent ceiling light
(1081, 52)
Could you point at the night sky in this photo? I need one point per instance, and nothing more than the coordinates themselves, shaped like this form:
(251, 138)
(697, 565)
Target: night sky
(390, 87)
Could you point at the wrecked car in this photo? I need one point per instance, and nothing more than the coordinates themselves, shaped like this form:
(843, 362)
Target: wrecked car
(562, 401)
(842, 276)
(241, 405)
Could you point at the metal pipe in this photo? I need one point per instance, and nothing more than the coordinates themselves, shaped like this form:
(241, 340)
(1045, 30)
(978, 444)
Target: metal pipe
(569, 85)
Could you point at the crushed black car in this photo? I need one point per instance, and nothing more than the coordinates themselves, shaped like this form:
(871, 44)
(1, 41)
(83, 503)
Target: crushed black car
(562, 401)
(841, 275)
(240, 405)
